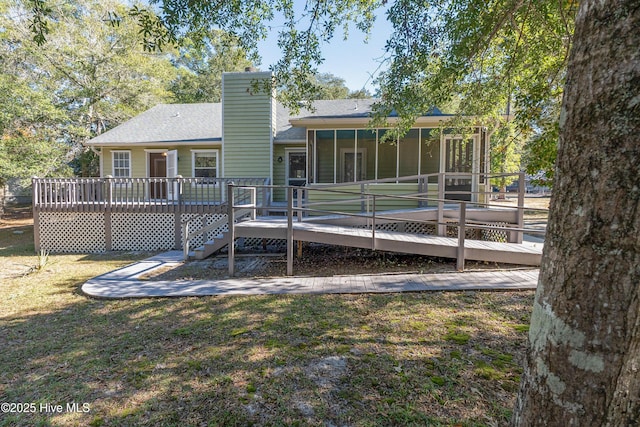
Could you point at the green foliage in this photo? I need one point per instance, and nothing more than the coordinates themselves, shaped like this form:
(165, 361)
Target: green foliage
(24, 155)
(331, 87)
(506, 147)
(200, 68)
(88, 78)
(504, 60)
(300, 37)
(500, 62)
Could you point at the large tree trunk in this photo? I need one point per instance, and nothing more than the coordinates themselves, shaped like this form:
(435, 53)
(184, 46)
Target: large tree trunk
(583, 364)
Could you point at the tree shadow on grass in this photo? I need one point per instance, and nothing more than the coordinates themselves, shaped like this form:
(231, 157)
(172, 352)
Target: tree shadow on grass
(263, 360)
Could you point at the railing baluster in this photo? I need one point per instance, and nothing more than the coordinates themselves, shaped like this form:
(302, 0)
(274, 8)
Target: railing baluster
(462, 222)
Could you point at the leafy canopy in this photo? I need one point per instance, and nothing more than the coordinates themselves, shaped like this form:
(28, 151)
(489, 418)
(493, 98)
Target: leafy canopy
(503, 61)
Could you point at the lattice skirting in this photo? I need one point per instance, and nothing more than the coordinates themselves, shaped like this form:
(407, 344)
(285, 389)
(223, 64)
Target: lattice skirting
(452, 230)
(72, 232)
(97, 232)
(257, 243)
(142, 231)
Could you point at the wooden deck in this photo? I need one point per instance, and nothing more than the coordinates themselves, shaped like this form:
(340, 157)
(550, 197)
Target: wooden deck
(446, 247)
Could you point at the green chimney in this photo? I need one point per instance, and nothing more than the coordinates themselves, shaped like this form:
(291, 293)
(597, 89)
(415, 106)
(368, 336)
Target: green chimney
(248, 125)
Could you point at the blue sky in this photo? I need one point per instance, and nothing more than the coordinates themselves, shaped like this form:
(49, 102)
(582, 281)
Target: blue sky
(353, 60)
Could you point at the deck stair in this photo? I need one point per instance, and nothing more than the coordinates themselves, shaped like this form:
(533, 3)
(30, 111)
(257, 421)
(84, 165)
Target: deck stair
(216, 243)
(210, 247)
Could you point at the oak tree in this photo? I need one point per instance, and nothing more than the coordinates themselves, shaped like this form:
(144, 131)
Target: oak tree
(583, 365)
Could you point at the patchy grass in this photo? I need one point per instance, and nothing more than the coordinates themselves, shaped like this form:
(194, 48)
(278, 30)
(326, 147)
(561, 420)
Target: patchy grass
(358, 360)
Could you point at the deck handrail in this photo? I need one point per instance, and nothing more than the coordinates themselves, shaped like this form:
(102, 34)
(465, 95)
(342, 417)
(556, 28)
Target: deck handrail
(423, 182)
(123, 194)
(299, 209)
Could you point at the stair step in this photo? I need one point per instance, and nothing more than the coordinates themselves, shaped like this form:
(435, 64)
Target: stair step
(210, 247)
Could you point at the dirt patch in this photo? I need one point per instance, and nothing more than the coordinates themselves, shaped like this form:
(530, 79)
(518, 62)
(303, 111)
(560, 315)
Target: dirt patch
(316, 260)
(12, 270)
(16, 216)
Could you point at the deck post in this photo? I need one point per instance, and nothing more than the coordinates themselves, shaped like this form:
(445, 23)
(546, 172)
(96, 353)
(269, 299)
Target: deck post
(289, 231)
(441, 226)
(231, 225)
(299, 204)
(373, 224)
(462, 220)
(185, 247)
(35, 188)
(521, 192)
(108, 238)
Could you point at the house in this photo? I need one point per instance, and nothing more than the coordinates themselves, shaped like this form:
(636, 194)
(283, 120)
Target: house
(251, 135)
(165, 172)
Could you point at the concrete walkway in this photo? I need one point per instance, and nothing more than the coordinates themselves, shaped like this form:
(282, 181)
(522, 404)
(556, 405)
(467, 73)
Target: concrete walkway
(124, 283)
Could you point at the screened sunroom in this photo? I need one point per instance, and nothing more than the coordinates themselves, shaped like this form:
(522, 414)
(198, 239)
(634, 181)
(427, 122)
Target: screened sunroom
(352, 155)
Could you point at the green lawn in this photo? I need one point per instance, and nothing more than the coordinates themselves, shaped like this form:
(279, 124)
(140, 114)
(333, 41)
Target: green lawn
(397, 359)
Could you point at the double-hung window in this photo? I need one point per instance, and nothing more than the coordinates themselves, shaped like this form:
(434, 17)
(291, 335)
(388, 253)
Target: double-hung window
(121, 164)
(205, 165)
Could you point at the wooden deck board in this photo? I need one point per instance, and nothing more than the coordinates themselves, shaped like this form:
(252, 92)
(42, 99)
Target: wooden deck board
(393, 241)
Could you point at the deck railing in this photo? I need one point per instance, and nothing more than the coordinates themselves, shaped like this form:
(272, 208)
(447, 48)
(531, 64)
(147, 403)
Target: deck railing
(135, 194)
(298, 207)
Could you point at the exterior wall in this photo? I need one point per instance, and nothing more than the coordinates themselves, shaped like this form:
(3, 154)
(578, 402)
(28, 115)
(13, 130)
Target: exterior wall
(139, 160)
(248, 126)
(280, 169)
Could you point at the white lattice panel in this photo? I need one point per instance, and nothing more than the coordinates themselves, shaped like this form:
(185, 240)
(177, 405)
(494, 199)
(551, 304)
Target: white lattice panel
(142, 231)
(199, 221)
(496, 235)
(420, 228)
(72, 232)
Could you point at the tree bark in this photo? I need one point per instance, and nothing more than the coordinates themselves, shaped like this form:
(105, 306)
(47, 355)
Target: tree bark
(583, 364)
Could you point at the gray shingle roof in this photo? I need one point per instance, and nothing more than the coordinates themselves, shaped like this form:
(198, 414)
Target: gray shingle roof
(338, 108)
(168, 123)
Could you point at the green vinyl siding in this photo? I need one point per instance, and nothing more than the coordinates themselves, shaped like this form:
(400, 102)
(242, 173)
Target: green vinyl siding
(325, 156)
(139, 159)
(280, 169)
(367, 144)
(387, 157)
(247, 126)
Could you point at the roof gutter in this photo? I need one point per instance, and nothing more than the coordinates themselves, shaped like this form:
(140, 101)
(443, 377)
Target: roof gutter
(161, 144)
(361, 121)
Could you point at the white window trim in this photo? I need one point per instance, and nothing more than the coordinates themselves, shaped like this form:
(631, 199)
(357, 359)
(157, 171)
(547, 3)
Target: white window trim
(113, 166)
(193, 163)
